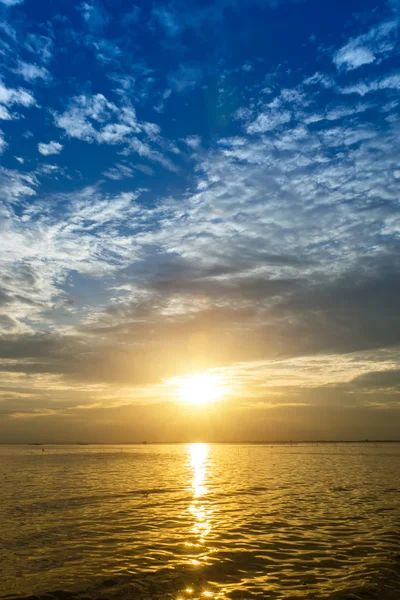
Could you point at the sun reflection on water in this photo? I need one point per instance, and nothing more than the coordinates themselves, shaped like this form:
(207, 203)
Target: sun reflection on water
(200, 510)
(198, 456)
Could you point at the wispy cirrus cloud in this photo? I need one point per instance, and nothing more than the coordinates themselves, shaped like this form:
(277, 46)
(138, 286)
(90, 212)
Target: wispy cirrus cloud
(16, 186)
(40, 45)
(390, 82)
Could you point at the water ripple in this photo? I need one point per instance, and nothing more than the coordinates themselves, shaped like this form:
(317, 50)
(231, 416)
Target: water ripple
(197, 522)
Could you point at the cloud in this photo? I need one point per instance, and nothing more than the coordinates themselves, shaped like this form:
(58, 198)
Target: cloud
(8, 30)
(30, 72)
(3, 143)
(364, 49)
(325, 80)
(269, 120)
(5, 114)
(388, 380)
(84, 111)
(119, 172)
(353, 56)
(11, 96)
(193, 141)
(15, 186)
(40, 45)
(87, 119)
(95, 119)
(87, 232)
(50, 148)
(106, 51)
(390, 82)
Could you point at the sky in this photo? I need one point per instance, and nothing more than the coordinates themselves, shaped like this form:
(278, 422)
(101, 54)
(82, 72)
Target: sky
(205, 188)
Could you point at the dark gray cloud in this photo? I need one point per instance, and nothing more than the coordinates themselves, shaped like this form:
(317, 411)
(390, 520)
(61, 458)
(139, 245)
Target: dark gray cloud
(389, 380)
(137, 342)
(4, 298)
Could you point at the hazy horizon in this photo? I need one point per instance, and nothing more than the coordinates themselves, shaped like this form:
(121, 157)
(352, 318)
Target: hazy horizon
(199, 441)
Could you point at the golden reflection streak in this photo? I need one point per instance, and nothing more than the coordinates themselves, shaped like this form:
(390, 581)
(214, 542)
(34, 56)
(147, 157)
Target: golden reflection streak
(198, 456)
(202, 513)
(202, 526)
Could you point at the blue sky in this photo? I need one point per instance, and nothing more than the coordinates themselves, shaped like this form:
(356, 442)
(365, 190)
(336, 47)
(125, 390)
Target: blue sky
(190, 187)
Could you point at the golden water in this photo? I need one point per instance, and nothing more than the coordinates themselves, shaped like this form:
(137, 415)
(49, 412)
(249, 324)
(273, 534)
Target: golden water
(201, 521)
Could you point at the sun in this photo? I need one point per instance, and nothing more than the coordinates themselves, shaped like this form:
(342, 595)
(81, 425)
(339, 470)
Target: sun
(200, 389)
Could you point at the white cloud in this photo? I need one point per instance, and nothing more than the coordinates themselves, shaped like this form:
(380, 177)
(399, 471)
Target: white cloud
(193, 141)
(360, 88)
(364, 49)
(314, 79)
(269, 120)
(390, 82)
(40, 45)
(353, 56)
(78, 119)
(143, 149)
(4, 114)
(114, 133)
(10, 96)
(3, 143)
(50, 148)
(144, 169)
(48, 169)
(8, 30)
(31, 72)
(86, 117)
(106, 51)
(14, 185)
(41, 246)
(19, 159)
(119, 172)
(95, 119)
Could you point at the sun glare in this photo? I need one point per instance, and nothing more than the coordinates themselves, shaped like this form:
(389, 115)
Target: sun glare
(200, 389)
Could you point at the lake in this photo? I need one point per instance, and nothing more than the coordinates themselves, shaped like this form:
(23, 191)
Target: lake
(197, 521)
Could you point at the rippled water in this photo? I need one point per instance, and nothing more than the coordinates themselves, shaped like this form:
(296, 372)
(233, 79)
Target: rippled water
(197, 521)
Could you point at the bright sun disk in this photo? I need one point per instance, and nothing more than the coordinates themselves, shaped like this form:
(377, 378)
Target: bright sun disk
(200, 389)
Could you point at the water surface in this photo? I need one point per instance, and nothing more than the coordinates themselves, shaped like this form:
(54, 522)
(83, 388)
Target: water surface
(197, 521)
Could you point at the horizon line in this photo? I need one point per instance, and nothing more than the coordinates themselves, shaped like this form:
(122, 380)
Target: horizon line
(221, 442)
